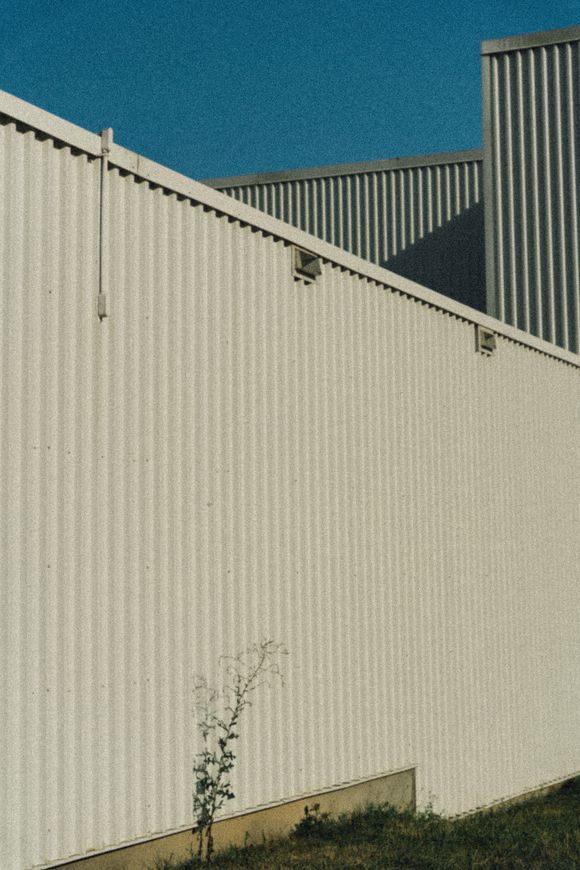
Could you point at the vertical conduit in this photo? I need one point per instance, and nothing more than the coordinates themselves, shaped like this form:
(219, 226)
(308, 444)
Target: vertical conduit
(102, 300)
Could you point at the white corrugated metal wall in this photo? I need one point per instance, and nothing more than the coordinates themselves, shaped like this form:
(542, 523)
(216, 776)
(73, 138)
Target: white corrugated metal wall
(532, 195)
(51, 699)
(234, 455)
(420, 217)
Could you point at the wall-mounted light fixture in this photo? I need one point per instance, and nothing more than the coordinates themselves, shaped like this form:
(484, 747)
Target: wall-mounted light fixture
(485, 341)
(305, 265)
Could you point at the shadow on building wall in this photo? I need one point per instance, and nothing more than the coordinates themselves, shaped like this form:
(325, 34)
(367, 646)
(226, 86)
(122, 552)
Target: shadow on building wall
(450, 260)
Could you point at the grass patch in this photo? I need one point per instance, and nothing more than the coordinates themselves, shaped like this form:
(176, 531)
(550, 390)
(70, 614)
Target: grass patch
(541, 834)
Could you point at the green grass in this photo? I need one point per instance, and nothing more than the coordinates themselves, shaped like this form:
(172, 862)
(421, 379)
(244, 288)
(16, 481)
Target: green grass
(541, 834)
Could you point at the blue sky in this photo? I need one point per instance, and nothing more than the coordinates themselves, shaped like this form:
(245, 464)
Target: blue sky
(225, 88)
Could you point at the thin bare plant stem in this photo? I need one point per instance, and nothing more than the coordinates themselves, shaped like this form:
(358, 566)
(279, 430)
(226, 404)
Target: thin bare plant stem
(212, 767)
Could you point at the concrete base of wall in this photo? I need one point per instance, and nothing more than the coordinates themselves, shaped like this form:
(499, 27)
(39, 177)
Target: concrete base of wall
(525, 796)
(397, 789)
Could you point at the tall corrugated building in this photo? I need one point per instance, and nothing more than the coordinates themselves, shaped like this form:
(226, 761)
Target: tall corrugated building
(217, 428)
(531, 87)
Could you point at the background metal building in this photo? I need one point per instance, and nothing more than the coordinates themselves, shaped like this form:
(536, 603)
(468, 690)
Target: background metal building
(424, 217)
(532, 182)
(421, 217)
(233, 454)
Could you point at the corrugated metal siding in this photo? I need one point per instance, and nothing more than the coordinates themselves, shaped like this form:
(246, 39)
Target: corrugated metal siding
(233, 455)
(532, 158)
(423, 222)
(53, 706)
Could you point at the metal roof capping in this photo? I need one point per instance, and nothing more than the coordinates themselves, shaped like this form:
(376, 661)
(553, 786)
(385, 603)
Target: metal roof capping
(531, 40)
(348, 168)
(76, 137)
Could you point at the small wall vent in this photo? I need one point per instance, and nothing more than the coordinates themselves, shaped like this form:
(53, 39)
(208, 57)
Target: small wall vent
(305, 265)
(485, 340)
